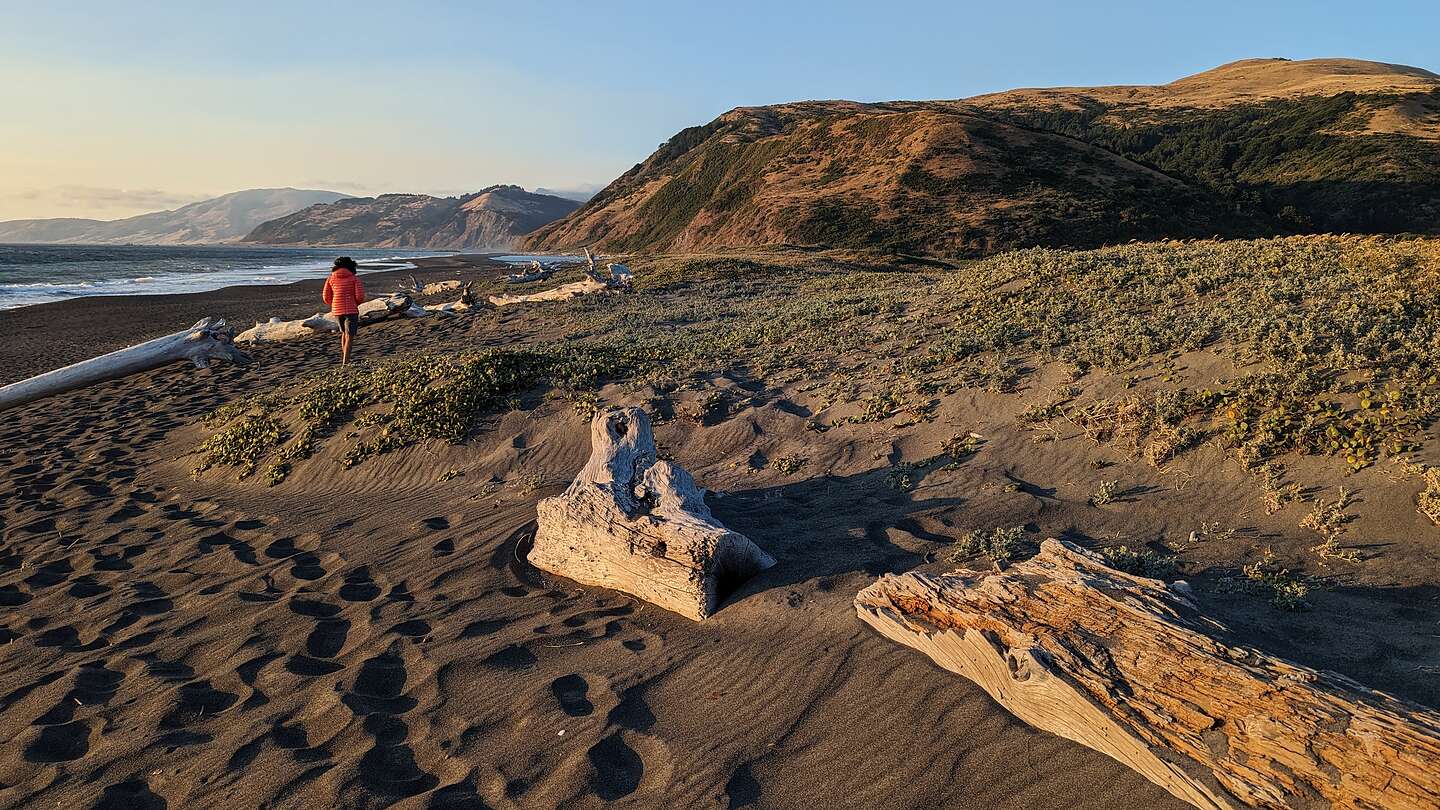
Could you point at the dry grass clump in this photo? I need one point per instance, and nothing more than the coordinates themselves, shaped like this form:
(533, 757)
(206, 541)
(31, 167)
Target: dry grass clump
(1427, 501)
(1429, 498)
(1150, 427)
(1275, 493)
(1328, 519)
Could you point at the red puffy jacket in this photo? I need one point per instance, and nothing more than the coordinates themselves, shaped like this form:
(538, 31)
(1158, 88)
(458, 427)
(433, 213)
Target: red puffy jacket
(344, 292)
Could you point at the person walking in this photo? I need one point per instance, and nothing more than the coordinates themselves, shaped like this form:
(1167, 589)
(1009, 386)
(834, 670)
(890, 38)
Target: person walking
(344, 293)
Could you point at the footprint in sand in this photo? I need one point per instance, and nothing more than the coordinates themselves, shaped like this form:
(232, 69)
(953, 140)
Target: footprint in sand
(414, 628)
(131, 795)
(512, 658)
(483, 627)
(12, 596)
(325, 641)
(743, 788)
(198, 702)
(570, 692)
(359, 587)
(388, 769)
(328, 638)
(617, 769)
(50, 574)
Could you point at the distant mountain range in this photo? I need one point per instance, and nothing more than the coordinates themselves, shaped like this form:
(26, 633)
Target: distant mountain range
(490, 219)
(215, 221)
(1254, 147)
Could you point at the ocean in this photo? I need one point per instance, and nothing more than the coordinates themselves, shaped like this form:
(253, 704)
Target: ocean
(36, 274)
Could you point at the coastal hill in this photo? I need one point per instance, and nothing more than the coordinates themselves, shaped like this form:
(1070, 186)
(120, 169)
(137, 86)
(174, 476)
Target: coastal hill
(490, 219)
(208, 222)
(1257, 147)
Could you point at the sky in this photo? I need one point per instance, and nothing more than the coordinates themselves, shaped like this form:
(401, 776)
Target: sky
(110, 109)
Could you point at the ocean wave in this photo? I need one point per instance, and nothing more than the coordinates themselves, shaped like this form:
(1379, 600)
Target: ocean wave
(59, 285)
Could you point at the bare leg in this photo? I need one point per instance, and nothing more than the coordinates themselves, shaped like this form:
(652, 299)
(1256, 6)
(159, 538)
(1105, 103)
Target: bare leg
(344, 347)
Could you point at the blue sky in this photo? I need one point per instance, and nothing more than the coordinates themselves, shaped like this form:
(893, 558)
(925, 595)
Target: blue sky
(115, 108)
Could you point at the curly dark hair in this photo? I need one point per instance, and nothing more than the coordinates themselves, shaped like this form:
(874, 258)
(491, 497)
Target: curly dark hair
(346, 262)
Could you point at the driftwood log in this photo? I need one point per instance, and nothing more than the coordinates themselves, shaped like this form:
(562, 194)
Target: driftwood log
(641, 526)
(275, 330)
(466, 302)
(562, 293)
(617, 277)
(415, 289)
(207, 341)
(1129, 667)
(537, 272)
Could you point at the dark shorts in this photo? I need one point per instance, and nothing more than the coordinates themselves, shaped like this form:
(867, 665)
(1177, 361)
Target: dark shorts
(349, 324)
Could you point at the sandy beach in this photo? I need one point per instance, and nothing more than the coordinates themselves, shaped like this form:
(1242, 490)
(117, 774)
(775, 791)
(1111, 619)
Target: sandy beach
(373, 636)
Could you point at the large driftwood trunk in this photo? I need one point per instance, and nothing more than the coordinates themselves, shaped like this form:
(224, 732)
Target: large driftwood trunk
(372, 311)
(207, 341)
(562, 293)
(641, 526)
(616, 277)
(1129, 667)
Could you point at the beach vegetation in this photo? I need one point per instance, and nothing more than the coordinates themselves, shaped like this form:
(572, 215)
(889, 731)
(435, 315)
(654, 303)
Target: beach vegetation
(1142, 562)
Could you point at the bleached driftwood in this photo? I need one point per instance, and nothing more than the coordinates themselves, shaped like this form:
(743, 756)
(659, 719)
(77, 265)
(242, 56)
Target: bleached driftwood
(620, 275)
(1129, 667)
(561, 293)
(616, 277)
(466, 302)
(276, 330)
(209, 340)
(640, 526)
(415, 289)
(537, 272)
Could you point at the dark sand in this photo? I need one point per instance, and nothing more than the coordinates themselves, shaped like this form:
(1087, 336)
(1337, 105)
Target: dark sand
(373, 637)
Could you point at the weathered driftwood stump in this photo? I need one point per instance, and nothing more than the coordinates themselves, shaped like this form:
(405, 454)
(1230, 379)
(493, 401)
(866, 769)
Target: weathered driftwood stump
(641, 526)
(1129, 667)
(207, 341)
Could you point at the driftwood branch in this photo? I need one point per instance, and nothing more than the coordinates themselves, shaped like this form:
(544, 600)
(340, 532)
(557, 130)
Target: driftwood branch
(1129, 667)
(208, 341)
(537, 272)
(640, 526)
(372, 311)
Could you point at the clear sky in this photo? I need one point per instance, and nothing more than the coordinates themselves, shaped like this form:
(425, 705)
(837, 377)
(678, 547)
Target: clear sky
(108, 109)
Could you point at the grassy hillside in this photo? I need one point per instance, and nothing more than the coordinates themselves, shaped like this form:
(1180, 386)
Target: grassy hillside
(1305, 165)
(1268, 147)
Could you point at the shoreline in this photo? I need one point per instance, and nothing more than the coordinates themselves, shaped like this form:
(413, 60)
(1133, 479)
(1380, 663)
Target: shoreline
(42, 337)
